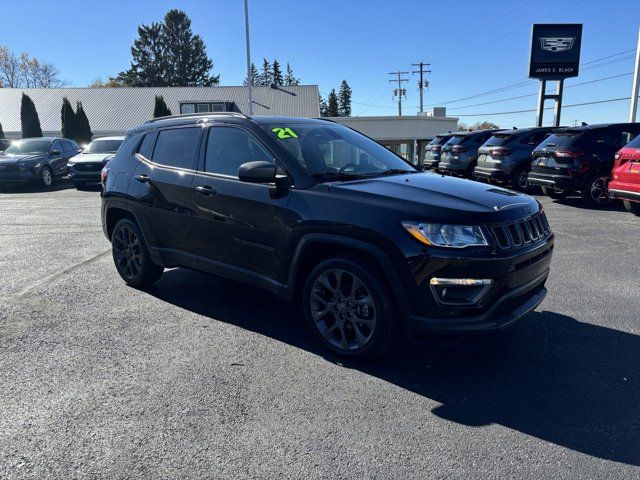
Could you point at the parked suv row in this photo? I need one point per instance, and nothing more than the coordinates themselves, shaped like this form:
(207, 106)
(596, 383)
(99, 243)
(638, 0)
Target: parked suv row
(316, 212)
(460, 154)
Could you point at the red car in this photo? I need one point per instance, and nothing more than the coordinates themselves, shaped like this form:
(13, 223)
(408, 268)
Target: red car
(625, 176)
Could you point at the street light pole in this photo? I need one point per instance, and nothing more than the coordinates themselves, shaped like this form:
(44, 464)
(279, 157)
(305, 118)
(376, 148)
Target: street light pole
(635, 90)
(249, 78)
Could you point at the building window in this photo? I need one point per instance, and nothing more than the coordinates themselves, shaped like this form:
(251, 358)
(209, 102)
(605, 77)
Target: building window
(205, 107)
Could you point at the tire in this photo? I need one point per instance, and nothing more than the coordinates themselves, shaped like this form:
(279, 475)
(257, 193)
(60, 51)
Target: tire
(131, 255)
(549, 192)
(632, 207)
(519, 180)
(595, 191)
(337, 321)
(46, 177)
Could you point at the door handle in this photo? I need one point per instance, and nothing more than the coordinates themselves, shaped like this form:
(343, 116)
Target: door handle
(142, 178)
(205, 190)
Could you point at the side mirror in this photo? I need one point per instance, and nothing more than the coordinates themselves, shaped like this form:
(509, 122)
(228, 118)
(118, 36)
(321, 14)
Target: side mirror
(55, 152)
(257, 172)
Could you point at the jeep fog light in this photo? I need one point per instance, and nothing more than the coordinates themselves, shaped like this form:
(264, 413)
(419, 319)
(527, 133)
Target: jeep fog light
(460, 291)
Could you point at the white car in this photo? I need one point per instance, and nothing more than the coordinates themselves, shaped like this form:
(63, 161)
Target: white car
(86, 166)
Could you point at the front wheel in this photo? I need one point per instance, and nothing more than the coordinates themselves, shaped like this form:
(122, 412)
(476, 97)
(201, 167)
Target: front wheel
(46, 177)
(131, 255)
(595, 191)
(348, 308)
(633, 207)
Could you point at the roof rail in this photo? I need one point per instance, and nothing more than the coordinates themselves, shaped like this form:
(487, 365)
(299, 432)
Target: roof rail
(201, 114)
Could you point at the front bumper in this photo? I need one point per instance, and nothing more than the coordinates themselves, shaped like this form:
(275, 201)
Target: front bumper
(624, 190)
(76, 175)
(28, 175)
(519, 277)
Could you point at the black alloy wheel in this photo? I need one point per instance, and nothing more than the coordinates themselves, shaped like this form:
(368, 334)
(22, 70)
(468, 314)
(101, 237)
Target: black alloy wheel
(131, 256)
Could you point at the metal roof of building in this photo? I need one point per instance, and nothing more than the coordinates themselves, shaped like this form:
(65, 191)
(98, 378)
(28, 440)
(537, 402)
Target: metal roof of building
(115, 110)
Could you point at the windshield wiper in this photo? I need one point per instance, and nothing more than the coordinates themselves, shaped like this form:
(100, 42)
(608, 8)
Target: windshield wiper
(337, 175)
(393, 171)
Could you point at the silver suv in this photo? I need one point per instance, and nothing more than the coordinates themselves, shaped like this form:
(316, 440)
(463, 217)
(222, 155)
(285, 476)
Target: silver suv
(506, 157)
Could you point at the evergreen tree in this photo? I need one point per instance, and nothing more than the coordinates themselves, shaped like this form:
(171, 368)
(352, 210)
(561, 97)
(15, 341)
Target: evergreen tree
(83, 129)
(333, 106)
(276, 74)
(186, 55)
(1, 132)
(160, 108)
(68, 118)
(289, 79)
(169, 54)
(29, 118)
(344, 98)
(148, 66)
(323, 106)
(253, 73)
(265, 77)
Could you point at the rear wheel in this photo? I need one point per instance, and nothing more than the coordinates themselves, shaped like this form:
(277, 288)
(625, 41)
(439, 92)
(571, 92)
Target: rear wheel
(549, 192)
(633, 207)
(46, 176)
(520, 180)
(348, 308)
(131, 255)
(595, 191)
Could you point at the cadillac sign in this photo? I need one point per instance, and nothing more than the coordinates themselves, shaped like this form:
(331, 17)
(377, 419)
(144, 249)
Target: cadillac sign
(555, 51)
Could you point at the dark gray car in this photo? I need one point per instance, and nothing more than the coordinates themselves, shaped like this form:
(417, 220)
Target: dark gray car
(36, 159)
(460, 153)
(506, 157)
(433, 150)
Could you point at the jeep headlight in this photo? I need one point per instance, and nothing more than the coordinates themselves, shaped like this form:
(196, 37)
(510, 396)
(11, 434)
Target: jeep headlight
(445, 235)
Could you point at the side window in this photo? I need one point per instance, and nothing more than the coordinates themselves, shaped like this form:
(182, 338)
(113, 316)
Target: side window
(177, 147)
(130, 145)
(57, 145)
(228, 148)
(144, 147)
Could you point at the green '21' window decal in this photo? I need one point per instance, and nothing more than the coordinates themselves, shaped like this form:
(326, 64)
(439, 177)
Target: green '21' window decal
(284, 133)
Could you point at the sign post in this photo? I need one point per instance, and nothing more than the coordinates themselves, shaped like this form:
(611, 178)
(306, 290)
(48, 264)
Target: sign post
(555, 55)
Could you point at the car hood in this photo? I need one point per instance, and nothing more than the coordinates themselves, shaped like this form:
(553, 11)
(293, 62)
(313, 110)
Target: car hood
(440, 198)
(91, 157)
(11, 158)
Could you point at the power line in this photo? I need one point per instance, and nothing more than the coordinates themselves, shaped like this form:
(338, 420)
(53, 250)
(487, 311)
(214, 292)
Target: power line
(422, 84)
(546, 108)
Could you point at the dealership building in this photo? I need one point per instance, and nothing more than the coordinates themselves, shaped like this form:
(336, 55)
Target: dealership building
(113, 111)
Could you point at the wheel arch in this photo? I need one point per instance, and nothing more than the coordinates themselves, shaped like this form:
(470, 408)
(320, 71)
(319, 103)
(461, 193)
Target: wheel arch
(315, 247)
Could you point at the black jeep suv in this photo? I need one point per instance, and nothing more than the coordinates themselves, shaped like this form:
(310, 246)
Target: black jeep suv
(580, 159)
(314, 211)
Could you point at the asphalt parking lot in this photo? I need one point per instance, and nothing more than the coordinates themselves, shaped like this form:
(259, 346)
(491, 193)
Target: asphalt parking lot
(200, 377)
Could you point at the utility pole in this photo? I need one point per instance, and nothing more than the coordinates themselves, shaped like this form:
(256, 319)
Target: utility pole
(251, 80)
(422, 84)
(399, 92)
(635, 89)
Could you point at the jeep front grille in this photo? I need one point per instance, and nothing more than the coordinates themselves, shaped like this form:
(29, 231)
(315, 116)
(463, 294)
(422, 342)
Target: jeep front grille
(522, 232)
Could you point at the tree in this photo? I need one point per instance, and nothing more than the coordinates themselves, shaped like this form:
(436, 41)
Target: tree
(83, 129)
(69, 120)
(111, 83)
(323, 106)
(344, 99)
(276, 74)
(169, 54)
(289, 79)
(484, 126)
(252, 78)
(22, 70)
(29, 118)
(1, 132)
(266, 76)
(160, 108)
(333, 106)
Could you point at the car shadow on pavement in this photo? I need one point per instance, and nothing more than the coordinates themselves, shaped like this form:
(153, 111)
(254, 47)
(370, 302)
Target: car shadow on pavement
(58, 184)
(576, 202)
(550, 376)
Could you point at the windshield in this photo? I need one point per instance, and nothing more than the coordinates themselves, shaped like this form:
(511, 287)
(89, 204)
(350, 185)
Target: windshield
(24, 147)
(103, 146)
(499, 139)
(440, 140)
(562, 139)
(330, 151)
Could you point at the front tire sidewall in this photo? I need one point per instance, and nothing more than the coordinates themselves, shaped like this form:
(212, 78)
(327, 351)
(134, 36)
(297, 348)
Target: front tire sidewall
(384, 333)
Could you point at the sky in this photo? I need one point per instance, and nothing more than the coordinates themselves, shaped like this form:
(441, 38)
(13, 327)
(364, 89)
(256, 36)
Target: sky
(474, 47)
